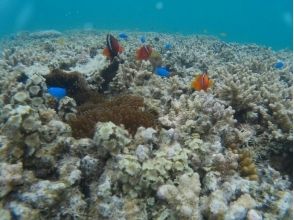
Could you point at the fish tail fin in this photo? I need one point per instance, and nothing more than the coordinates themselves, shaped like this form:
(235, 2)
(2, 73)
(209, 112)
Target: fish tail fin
(120, 49)
(210, 83)
(137, 55)
(106, 52)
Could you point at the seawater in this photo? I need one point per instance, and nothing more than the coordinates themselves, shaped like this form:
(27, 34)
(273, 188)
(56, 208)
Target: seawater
(264, 22)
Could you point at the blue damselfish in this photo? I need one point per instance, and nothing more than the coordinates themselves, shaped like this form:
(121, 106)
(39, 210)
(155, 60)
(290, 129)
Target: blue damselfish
(57, 92)
(142, 39)
(162, 71)
(123, 36)
(168, 46)
(279, 64)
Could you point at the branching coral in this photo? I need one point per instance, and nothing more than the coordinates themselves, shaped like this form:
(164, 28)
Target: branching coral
(257, 100)
(262, 101)
(200, 113)
(247, 166)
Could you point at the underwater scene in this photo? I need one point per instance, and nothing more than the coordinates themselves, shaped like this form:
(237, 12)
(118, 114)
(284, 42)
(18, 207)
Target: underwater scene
(146, 110)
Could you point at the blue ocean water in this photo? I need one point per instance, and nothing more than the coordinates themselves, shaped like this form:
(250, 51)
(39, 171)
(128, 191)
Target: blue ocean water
(265, 22)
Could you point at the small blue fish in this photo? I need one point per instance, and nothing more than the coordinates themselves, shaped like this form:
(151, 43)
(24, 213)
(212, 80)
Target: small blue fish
(162, 71)
(123, 36)
(279, 64)
(57, 92)
(168, 46)
(142, 39)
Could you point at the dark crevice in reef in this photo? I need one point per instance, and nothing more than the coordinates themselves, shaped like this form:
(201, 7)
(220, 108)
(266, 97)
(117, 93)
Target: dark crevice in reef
(240, 115)
(43, 168)
(88, 178)
(85, 187)
(66, 66)
(283, 162)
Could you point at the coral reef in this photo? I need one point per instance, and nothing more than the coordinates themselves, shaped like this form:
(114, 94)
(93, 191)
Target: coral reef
(125, 110)
(128, 144)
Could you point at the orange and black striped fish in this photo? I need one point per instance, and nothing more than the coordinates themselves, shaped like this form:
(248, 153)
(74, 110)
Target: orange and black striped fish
(144, 52)
(202, 82)
(112, 48)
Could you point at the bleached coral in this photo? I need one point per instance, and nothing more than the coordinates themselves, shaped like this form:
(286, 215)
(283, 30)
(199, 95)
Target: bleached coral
(200, 113)
(67, 108)
(260, 98)
(23, 211)
(183, 198)
(10, 176)
(110, 137)
(93, 67)
(43, 194)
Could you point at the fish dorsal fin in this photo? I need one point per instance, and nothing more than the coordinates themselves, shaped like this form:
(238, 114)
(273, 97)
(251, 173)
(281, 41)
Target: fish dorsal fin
(109, 42)
(146, 49)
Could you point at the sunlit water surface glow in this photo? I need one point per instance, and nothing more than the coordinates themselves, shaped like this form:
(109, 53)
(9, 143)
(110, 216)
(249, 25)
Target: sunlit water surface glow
(265, 22)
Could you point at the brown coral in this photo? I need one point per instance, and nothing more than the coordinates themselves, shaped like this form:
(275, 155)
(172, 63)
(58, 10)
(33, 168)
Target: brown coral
(247, 166)
(127, 110)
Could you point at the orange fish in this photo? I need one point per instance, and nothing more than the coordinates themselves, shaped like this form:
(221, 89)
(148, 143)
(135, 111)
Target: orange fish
(202, 82)
(113, 48)
(143, 53)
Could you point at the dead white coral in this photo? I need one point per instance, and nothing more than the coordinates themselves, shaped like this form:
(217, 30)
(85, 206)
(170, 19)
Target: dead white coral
(93, 67)
(145, 135)
(44, 194)
(110, 137)
(75, 206)
(10, 176)
(67, 108)
(16, 119)
(53, 130)
(135, 209)
(183, 198)
(239, 208)
(239, 88)
(21, 97)
(69, 171)
(22, 211)
(201, 113)
(260, 97)
(168, 159)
